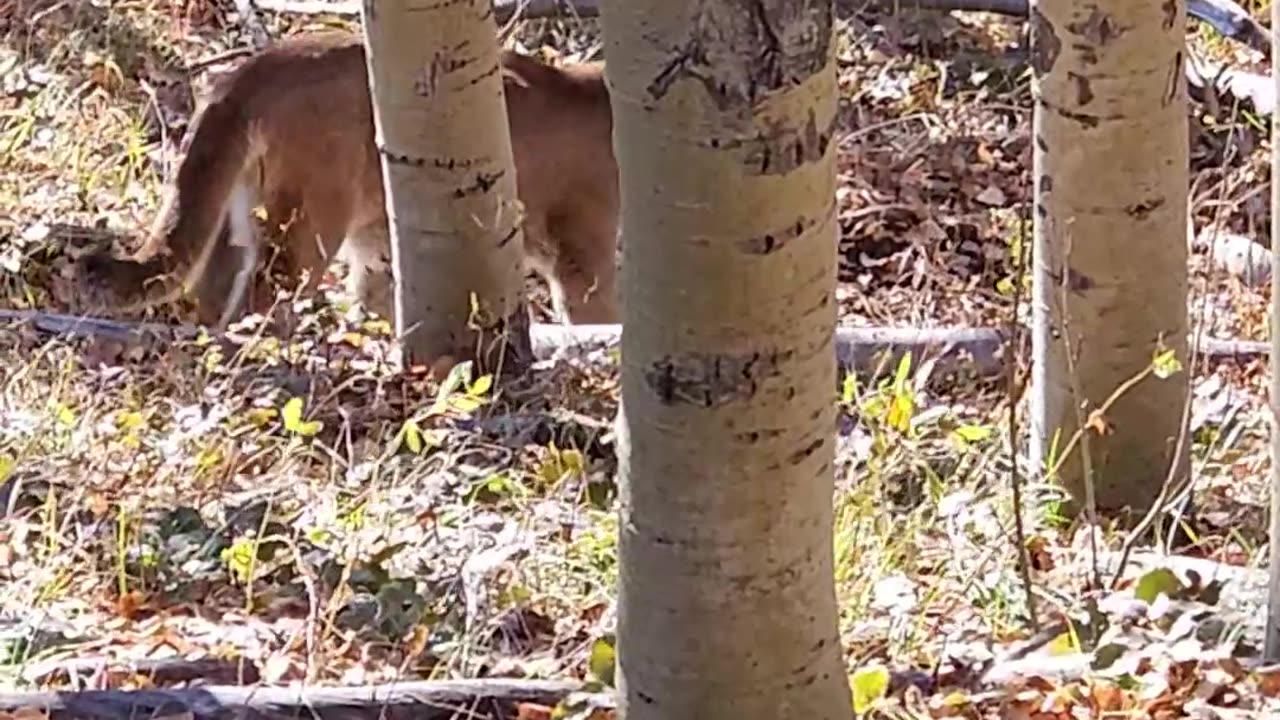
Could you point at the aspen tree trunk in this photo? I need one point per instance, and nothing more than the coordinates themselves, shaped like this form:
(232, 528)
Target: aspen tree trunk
(1111, 165)
(724, 112)
(442, 134)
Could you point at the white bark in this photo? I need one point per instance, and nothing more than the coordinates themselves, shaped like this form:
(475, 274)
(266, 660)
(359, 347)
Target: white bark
(442, 134)
(1110, 164)
(723, 120)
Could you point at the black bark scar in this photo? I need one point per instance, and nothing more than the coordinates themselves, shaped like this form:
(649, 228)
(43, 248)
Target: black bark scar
(400, 159)
(1097, 27)
(774, 241)
(1045, 45)
(778, 149)
(1084, 88)
(803, 453)
(1175, 77)
(484, 182)
(1141, 210)
(712, 380)
(1076, 281)
(744, 51)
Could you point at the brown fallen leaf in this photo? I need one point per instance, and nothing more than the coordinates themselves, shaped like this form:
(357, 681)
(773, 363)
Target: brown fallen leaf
(1269, 681)
(533, 711)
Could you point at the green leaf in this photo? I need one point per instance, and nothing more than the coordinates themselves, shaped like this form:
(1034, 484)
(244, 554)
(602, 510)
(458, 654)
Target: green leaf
(849, 388)
(1065, 644)
(458, 378)
(130, 421)
(902, 373)
(261, 416)
(208, 458)
(7, 463)
(901, 408)
(291, 414)
(1160, 580)
(869, 685)
(573, 461)
(412, 437)
(972, 433)
(1107, 655)
(480, 386)
(492, 487)
(239, 558)
(66, 416)
(464, 403)
(1165, 364)
(603, 660)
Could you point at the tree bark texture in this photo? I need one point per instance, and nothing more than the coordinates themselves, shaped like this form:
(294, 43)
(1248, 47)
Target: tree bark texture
(441, 124)
(724, 115)
(1111, 164)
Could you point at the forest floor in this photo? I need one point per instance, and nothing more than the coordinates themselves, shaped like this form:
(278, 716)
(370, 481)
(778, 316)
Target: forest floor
(294, 511)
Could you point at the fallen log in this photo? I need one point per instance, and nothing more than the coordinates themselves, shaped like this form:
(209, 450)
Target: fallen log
(475, 699)
(421, 700)
(1213, 83)
(978, 352)
(158, 671)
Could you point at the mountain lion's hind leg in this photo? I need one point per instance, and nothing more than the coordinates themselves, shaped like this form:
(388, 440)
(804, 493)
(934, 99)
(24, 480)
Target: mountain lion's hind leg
(583, 273)
(367, 252)
(242, 237)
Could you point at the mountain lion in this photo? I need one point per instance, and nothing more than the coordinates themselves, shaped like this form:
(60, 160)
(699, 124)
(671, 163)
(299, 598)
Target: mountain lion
(290, 130)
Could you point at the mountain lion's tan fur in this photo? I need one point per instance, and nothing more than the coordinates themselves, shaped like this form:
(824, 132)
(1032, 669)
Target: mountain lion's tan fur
(290, 130)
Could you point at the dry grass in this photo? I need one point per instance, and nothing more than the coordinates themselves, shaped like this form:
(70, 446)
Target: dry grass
(297, 505)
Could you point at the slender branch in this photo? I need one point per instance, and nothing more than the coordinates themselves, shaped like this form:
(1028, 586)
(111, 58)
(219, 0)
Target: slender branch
(1011, 372)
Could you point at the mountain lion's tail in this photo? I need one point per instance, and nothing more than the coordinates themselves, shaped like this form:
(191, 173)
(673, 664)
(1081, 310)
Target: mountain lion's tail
(185, 234)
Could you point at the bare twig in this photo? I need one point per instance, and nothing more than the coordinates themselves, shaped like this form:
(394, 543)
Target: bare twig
(1011, 373)
(1078, 401)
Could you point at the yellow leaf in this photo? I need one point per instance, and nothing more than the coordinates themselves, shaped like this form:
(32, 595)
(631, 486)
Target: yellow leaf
(66, 416)
(413, 437)
(291, 414)
(480, 386)
(869, 685)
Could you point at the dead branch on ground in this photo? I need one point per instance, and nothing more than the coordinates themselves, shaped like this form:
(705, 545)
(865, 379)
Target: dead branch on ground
(976, 352)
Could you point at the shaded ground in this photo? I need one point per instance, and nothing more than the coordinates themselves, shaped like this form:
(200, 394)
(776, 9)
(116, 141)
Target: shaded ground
(297, 510)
